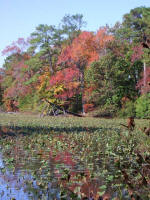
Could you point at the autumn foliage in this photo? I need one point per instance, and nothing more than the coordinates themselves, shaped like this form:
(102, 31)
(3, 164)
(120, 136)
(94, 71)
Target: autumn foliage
(82, 69)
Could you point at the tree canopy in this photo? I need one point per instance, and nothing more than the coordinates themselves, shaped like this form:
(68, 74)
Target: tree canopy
(80, 70)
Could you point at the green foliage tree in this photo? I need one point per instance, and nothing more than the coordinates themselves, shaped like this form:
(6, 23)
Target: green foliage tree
(143, 106)
(127, 110)
(71, 26)
(135, 26)
(46, 44)
(115, 75)
(45, 40)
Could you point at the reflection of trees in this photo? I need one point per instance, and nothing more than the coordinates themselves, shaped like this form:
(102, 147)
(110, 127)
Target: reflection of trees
(27, 174)
(40, 166)
(23, 182)
(12, 183)
(75, 164)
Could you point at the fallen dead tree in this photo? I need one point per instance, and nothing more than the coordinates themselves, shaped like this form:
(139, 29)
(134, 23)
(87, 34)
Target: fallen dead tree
(56, 108)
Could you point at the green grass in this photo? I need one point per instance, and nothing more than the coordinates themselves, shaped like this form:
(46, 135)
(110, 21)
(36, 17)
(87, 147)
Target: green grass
(61, 121)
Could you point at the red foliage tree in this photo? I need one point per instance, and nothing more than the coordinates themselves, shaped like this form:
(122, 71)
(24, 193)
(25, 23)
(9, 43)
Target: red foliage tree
(17, 88)
(137, 53)
(102, 39)
(15, 68)
(76, 58)
(84, 49)
(16, 47)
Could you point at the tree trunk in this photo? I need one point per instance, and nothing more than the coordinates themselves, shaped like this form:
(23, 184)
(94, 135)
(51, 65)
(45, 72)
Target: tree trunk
(144, 74)
(50, 63)
(62, 109)
(82, 91)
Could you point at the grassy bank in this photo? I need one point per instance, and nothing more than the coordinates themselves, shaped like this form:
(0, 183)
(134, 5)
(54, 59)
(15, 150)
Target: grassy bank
(19, 119)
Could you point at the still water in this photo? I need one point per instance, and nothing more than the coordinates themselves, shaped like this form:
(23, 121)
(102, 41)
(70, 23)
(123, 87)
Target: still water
(49, 166)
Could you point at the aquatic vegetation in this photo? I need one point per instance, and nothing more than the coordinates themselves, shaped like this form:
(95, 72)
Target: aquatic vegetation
(67, 157)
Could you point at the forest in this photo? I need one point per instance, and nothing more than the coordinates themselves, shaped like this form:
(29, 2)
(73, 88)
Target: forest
(106, 73)
(102, 76)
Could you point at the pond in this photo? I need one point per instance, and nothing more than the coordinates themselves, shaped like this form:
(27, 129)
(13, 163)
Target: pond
(58, 164)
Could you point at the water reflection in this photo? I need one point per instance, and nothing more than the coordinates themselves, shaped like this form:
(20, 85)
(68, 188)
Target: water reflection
(38, 173)
(21, 185)
(46, 166)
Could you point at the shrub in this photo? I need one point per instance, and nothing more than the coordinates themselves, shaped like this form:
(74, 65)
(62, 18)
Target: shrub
(26, 103)
(107, 111)
(128, 110)
(143, 106)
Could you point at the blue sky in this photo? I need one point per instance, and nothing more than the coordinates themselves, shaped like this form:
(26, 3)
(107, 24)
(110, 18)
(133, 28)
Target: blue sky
(18, 18)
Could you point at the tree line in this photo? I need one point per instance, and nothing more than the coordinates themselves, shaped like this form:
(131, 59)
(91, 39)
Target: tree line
(106, 71)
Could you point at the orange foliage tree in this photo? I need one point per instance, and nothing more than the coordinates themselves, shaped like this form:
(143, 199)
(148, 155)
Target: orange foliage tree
(75, 60)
